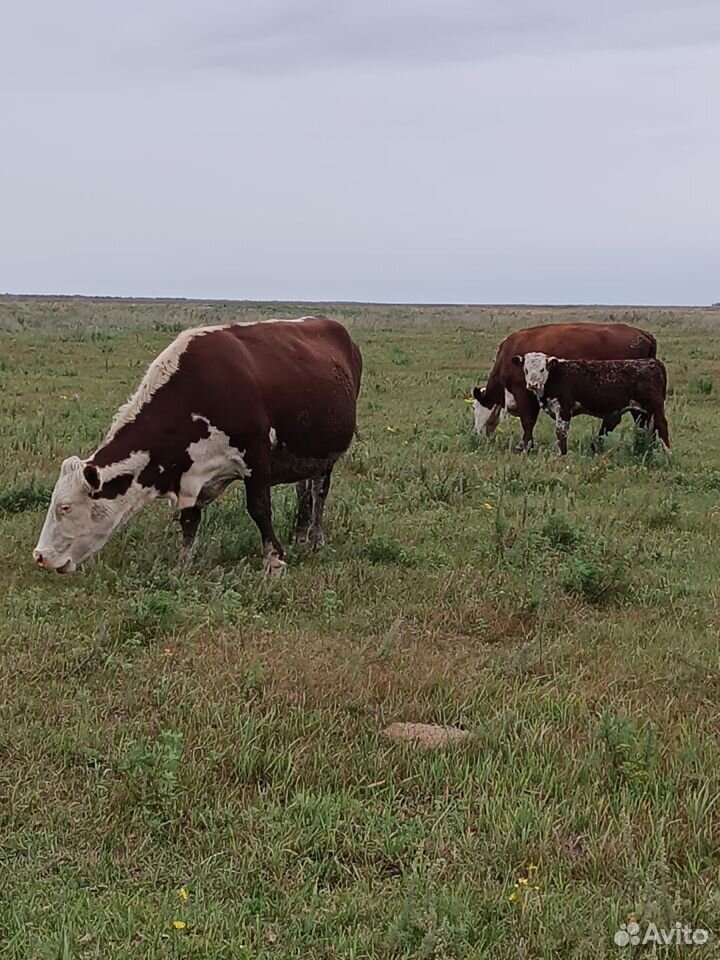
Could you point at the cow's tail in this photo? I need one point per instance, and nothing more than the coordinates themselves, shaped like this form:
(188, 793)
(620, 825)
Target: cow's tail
(652, 345)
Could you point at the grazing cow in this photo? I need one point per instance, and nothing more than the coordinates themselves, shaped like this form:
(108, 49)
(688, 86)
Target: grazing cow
(266, 403)
(601, 388)
(506, 389)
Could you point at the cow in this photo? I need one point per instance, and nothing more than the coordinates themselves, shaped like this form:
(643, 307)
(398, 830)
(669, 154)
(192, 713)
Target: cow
(506, 388)
(601, 388)
(267, 403)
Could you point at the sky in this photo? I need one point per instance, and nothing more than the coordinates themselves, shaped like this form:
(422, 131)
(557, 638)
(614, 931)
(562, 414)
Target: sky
(442, 151)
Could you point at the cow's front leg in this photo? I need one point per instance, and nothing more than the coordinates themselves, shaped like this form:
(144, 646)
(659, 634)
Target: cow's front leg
(304, 511)
(320, 489)
(189, 522)
(259, 505)
(562, 428)
(528, 409)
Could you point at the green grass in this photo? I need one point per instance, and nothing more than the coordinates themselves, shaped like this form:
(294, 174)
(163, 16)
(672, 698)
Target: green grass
(166, 728)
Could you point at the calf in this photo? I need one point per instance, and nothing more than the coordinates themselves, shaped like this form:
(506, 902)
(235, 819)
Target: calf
(601, 388)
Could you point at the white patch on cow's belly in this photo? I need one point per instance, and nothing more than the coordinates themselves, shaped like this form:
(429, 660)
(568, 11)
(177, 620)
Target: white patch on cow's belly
(216, 463)
(510, 404)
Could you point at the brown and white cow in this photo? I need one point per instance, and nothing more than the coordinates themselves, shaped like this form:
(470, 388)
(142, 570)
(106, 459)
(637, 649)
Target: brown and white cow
(506, 388)
(267, 403)
(600, 388)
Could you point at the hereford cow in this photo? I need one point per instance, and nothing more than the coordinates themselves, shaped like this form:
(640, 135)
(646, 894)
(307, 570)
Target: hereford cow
(266, 403)
(602, 388)
(506, 389)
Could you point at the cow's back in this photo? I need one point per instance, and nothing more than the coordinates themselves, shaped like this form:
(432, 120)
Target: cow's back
(299, 378)
(568, 341)
(581, 341)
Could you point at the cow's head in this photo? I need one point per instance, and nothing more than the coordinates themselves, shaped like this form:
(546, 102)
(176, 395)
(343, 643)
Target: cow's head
(486, 413)
(536, 367)
(84, 510)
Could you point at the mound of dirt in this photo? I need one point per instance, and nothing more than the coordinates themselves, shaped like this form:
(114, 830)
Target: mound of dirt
(429, 736)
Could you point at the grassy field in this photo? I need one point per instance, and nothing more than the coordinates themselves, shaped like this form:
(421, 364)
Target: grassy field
(191, 759)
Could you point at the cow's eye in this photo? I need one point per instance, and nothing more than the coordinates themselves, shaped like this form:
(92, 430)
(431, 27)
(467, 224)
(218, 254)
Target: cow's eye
(65, 508)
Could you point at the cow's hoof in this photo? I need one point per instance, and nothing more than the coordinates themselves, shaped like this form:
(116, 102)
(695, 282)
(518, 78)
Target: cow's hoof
(315, 538)
(300, 536)
(185, 556)
(274, 567)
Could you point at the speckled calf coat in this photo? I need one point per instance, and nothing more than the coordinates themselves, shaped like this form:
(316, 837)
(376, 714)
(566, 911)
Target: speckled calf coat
(601, 388)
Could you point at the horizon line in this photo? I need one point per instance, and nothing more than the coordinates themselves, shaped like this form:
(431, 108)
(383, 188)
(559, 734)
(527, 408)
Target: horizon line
(359, 303)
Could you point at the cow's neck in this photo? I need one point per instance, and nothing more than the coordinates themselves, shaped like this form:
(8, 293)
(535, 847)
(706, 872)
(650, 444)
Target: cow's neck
(494, 392)
(117, 457)
(126, 461)
(156, 457)
(130, 503)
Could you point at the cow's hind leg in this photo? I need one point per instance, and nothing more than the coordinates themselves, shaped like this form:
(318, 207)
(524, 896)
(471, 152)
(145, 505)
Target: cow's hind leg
(660, 425)
(641, 418)
(304, 511)
(189, 522)
(607, 425)
(259, 505)
(320, 488)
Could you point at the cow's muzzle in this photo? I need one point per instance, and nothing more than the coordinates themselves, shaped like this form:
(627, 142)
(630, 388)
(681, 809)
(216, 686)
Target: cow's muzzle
(43, 563)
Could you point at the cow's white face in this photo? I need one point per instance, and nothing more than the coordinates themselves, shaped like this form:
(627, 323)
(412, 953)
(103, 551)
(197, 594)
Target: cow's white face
(77, 525)
(486, 417)
(536, 367)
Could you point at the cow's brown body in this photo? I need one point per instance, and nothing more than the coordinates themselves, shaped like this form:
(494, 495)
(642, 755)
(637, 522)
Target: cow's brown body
(268, 403)
(569, 341)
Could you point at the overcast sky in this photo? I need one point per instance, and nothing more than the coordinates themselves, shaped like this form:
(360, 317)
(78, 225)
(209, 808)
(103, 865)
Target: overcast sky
(468, 151)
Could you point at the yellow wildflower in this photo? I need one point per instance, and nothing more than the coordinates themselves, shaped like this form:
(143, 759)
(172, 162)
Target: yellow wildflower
(512, 898)
(531, 868)
(488, 506)
(536, 888)
(469, 400)
(392, 430)
(183, 894)
(523, 881)
(179, 924)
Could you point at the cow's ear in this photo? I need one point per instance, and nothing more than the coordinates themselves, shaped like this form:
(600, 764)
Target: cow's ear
(479, 393)
(91, 476)
(552, 362)
(518, 360)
